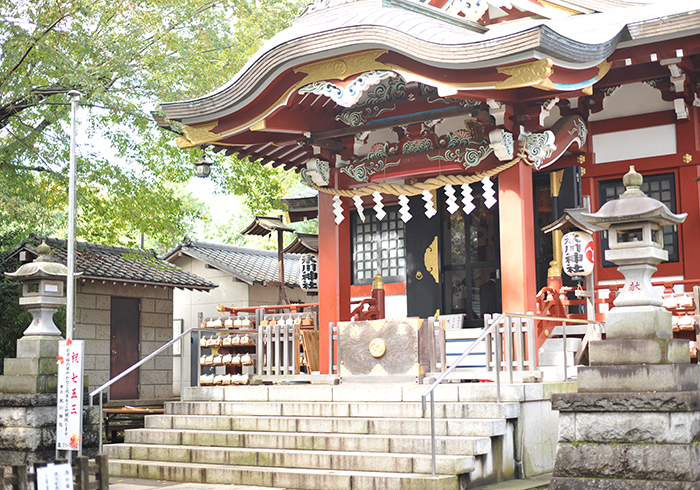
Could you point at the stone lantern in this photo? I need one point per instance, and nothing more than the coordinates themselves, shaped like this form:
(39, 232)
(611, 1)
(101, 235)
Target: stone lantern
(28, 387)
(635, 236)
(42, 291)
(634, 420)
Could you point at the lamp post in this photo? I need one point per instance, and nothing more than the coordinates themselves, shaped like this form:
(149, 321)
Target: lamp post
(70, 280)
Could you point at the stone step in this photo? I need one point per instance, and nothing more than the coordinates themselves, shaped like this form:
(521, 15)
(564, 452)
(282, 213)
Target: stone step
(291, 458)
(556, 358)
(355, 393)
(336, 425)
(404, 444)
(573, 344)
(289, 478)
(482, 410)
(556, 373)
(571, 329)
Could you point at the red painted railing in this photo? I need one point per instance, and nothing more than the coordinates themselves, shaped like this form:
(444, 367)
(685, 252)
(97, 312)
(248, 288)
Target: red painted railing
(552, 301)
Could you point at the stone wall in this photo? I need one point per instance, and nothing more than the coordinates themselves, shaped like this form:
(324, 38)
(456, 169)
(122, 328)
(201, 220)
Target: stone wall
(28, 428)
(92, 324)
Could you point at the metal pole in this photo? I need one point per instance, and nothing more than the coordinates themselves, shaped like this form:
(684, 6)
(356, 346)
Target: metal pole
(280, 265)
(70, 286)
(432, 428)
(182, 364)
(331, 354)
(101, 421)
(566, 376)
(498, 361)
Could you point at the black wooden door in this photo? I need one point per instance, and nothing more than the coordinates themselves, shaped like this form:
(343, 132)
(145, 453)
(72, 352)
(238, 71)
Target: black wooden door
(124, 342)
(471, 261)
(423, 290)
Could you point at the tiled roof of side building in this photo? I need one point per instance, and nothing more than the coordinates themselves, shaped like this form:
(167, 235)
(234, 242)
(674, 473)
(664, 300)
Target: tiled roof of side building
(119, 264)
(245, 264)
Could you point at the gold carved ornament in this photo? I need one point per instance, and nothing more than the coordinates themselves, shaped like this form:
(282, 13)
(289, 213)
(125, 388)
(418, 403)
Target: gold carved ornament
(342, 67)
(531, 74)
(198, 134)
(377, 348)
(430, 259)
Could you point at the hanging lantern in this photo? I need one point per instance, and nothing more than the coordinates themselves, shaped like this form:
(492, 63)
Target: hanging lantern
(578, 252)
(204, 165)
(308, 272)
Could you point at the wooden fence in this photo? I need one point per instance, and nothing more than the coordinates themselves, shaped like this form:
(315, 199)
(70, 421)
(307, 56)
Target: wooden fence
(24, 477)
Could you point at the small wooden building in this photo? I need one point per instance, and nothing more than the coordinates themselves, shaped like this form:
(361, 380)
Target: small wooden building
(124, 311)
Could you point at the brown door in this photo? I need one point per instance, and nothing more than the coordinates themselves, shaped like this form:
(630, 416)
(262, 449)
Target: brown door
(124, 351)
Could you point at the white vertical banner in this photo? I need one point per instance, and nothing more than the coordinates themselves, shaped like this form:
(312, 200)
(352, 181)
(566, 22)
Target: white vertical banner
(54, 477)
(69, 417)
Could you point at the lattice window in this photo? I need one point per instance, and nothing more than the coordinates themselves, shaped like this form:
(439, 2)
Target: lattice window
(378, 247)
(661, 187)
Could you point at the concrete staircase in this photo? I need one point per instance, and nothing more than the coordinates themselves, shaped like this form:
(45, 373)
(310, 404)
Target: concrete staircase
(326, 437)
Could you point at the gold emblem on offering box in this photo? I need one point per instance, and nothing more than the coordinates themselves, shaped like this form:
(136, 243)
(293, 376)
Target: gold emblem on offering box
(377, 347)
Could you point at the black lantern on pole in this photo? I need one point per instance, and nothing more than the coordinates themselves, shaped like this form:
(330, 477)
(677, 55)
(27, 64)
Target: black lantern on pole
(203, 165)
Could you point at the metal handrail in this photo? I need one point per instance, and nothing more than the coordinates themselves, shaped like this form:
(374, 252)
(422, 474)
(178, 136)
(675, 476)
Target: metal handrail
(431, 390)
(143, 361)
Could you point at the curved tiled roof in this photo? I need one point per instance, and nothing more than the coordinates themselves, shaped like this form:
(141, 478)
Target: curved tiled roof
(246, 264)
(429, 36)
(120, 264)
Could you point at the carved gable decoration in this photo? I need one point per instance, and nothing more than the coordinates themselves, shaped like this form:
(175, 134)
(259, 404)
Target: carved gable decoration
(347, 93)
(381, 100)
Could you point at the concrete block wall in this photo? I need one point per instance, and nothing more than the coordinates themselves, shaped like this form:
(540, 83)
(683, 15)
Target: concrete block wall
(93, 303)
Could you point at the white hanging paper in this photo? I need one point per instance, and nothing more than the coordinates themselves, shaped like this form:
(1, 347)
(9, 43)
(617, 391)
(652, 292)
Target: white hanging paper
(467, 198)
(404, 209)
(358, 205)
(451, 201)
(489, 199)
(378, 206)
(430, 210)
(338, 210)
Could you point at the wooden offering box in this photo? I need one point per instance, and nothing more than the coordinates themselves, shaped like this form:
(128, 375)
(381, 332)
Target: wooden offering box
(391, 347)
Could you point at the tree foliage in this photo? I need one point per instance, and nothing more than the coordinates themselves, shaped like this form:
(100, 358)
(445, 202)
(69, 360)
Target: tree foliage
(124, 57)
(14, 319)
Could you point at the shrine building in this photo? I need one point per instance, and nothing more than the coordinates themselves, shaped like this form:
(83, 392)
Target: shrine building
(442, 136)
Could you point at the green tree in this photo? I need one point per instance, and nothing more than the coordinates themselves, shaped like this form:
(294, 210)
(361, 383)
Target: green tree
(14, 319)
(124, 57)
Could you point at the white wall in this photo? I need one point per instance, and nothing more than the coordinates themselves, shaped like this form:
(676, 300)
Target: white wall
(636, 143)
(231, 292)
(395, 305)
(188, 304)
(632, 99)
(629, 100)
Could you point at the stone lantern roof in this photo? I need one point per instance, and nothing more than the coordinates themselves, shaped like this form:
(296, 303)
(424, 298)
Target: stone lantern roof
(633, 205)
(43, 267)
